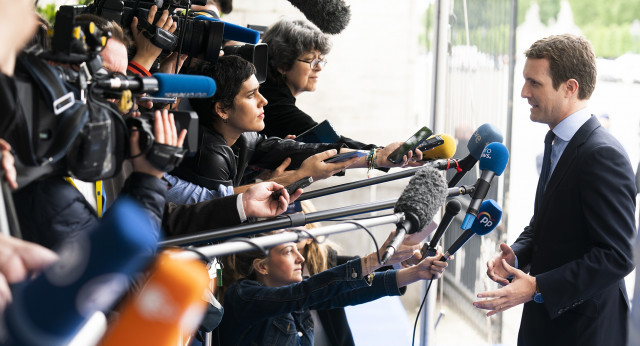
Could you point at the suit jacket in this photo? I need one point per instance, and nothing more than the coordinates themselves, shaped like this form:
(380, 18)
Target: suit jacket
(578, 245)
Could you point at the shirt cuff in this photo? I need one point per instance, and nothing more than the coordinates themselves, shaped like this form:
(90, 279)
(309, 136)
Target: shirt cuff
(243, 216)
(510, 277)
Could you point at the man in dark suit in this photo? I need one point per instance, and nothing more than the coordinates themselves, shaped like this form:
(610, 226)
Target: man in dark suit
(577, 247)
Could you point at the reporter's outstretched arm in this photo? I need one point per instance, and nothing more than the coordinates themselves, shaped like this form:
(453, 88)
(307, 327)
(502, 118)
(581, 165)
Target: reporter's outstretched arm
(224, 212)
(429, 268)
(313, 166)
(257, 200)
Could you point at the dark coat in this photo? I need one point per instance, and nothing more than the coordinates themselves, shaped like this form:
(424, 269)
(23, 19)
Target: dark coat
(51, 210)
(578, 245)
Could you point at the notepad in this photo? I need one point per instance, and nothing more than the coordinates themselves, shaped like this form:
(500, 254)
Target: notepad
(321, 133)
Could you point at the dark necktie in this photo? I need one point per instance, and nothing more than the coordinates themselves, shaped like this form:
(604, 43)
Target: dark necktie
(546, 165)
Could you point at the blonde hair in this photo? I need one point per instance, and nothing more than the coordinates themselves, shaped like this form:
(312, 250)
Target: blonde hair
(316, 255)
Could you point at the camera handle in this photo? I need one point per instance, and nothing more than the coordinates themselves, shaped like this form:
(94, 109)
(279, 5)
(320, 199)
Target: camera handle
(160, 37)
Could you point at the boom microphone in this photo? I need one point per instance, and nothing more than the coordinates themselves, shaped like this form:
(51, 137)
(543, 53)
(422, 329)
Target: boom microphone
(493, 161)
(438, 147)
(420, 200)
(330, 16)
(486, 221)
(163, 85)
(450, 211)
(484, 135)
(94, 270)
(169, 304)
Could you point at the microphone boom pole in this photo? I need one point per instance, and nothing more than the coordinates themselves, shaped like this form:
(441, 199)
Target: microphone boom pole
(293, 220)
(231, 247)
(438, 164)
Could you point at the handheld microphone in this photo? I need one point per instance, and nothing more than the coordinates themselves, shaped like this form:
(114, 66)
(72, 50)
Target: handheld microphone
(233, 32)
(493, 161)
(420, 200)
(484, 135)
(450, 211)
(169, 304)
(164, 85)
(438, 147)
(486, 221)
(94, 270)
(330, 16)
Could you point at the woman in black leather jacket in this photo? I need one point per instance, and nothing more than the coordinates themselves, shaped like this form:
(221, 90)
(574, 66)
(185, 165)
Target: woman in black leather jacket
(229, 142)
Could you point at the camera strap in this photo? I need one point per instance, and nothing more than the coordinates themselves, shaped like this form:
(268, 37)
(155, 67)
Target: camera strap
(165, 157)
(160, 37)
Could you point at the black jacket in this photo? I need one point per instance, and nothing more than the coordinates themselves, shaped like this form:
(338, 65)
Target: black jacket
(334, 321)
(51, 210)
(216, 163)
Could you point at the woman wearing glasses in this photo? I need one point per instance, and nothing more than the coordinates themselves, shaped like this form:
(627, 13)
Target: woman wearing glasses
(297, 50)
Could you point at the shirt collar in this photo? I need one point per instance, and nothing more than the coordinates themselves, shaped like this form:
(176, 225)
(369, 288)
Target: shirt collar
(571, 124)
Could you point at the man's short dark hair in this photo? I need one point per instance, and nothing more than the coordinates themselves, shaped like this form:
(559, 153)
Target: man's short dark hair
(226, 6)
(570, 57)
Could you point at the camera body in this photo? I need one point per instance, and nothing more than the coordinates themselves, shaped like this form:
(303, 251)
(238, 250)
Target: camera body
(196, 38)
(68, 127)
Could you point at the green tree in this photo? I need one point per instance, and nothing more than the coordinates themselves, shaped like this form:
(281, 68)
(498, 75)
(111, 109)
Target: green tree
(607, 24)
(590, 12)
(549, 9)
(48, 11)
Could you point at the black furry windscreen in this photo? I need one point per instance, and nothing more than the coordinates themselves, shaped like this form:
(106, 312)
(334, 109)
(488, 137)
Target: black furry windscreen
(330, 16)
(424, 195)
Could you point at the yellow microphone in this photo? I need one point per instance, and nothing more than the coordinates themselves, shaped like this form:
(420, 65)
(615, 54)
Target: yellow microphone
(437, 147)
(169, 305)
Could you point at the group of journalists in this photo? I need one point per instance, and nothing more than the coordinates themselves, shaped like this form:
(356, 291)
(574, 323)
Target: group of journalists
(107, 151)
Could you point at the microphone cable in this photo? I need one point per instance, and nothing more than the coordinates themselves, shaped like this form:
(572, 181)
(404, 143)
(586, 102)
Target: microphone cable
(415, 324)
(355, 222)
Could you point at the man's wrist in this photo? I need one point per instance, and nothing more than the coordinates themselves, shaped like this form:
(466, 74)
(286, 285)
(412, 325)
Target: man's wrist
(537, 295)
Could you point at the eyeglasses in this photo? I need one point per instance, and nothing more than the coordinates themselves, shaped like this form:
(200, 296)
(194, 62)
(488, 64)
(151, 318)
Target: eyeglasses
(315, 62)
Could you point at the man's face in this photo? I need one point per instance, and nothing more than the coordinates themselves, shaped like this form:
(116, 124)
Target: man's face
(114, 56)
(547, 104)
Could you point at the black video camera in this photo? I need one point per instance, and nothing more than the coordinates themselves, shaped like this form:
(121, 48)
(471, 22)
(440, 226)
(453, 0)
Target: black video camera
(196, 38)
(68, 127)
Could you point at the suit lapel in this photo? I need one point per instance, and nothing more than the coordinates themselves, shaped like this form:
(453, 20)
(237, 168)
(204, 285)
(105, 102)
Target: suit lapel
(568, 157)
